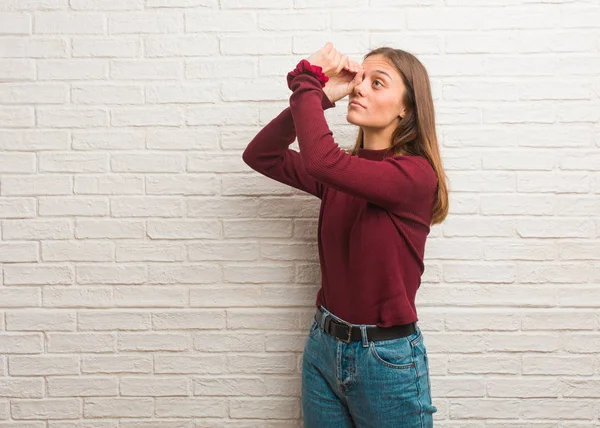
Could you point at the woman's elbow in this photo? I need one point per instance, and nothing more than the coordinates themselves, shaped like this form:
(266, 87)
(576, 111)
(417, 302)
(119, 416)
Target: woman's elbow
(248, 158)
(315, 169)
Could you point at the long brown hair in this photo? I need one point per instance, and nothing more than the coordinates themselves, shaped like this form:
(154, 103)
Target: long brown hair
(415, 134)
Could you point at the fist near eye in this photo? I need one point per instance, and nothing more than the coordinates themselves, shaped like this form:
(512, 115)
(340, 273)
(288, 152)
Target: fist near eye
(333, 62)
(344, 74)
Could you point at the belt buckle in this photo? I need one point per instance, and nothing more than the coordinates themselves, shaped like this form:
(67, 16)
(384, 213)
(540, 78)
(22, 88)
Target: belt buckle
(349, 335)
(348, 340)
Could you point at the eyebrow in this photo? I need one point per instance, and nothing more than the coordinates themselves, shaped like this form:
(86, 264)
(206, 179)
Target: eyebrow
(382, 72)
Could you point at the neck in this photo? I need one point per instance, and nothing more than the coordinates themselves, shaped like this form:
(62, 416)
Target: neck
(378, 138)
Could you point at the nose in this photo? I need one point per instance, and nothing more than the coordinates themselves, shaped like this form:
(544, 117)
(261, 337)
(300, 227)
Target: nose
(358, 88)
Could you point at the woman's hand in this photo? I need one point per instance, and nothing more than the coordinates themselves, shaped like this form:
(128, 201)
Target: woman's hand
(343, 73)
(344, 82)
(329, 59)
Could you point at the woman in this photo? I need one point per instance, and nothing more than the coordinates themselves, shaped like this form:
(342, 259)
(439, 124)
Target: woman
(365, 363)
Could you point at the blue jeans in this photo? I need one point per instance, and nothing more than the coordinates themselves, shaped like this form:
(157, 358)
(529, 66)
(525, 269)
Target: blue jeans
(364, 384)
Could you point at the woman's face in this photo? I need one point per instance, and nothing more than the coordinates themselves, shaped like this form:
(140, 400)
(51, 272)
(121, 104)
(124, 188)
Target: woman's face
(380, 94)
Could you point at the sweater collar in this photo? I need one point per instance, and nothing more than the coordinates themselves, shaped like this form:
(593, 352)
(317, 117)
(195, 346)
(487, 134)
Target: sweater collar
(371, 154)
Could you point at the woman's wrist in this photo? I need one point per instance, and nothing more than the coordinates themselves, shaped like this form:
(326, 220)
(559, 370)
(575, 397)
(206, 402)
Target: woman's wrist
(306, 67)
(328, 95)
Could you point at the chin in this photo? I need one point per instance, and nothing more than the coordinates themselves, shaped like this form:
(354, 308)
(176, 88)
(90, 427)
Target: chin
(351, 118)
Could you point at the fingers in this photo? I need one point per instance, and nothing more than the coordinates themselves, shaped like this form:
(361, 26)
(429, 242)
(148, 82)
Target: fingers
(354, 66)
(339, 61)
(351, 66)
(330, 51)
(343, 60)
(357, 78)
(336, 60)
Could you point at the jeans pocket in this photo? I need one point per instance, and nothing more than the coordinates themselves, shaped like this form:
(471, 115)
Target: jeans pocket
(394, 353)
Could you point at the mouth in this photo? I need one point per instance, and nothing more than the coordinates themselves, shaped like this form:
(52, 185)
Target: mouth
(357, 104)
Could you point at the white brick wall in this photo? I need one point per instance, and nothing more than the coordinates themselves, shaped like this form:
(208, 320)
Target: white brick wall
(143, 264)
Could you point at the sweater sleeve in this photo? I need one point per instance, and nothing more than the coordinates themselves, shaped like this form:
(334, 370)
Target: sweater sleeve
(268, 153)
(393, 183)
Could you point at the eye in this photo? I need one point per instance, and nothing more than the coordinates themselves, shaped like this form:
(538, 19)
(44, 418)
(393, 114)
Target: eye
(377, 81)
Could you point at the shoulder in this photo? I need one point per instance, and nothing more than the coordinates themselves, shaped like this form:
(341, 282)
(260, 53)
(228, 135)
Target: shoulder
(417, 166)
(413, 161)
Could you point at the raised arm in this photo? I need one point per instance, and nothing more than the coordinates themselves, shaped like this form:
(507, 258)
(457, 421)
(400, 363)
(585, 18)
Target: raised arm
(394, 183)
(268, 153)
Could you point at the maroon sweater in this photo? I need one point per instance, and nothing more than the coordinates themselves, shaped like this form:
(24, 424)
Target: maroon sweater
(375, 213)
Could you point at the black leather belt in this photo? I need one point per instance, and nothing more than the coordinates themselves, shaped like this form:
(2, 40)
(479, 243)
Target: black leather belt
(350, 333)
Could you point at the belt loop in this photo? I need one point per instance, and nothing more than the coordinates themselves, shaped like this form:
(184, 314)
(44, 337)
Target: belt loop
(365, 339)
(325, 326)
(323, 317)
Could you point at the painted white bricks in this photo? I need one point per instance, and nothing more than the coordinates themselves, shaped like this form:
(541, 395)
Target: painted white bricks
(106, 47)
(68, 23)
(149, 278)
(18, 163)
(145, 22)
